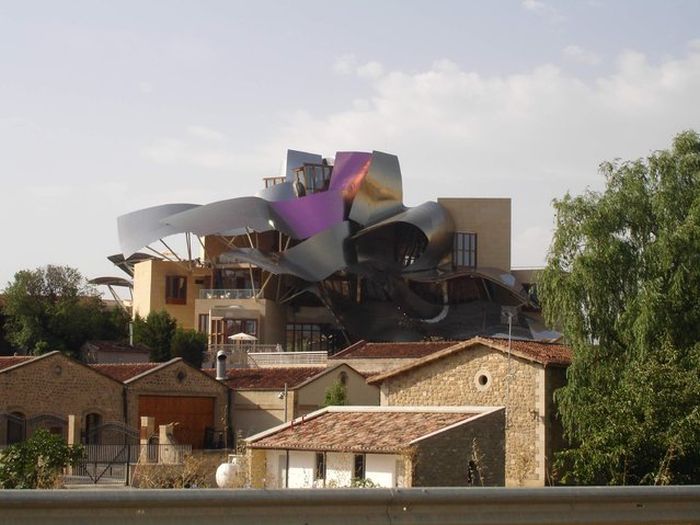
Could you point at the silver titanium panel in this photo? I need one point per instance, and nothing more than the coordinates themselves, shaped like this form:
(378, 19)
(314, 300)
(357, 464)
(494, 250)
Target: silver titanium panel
(313, 260)
(278, 192)
(380, 195)
(111, 281)
(435, 223)
(140, 228)
(225, 216)
(296, 159)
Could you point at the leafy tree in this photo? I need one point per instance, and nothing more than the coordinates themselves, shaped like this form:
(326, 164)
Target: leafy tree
(190, 345)
(623, 283)
(37, 462)
(53, 308)
(5, 346)
(156, 331)
(335, 395)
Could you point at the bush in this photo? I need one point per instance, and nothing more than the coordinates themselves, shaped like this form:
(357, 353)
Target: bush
(190, 345)
(36, 463)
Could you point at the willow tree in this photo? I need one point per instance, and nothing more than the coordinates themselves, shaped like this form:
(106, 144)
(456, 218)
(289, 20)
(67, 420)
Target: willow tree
(623, 284)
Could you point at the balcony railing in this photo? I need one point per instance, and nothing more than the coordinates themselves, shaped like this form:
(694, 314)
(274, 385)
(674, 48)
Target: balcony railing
(226, 293)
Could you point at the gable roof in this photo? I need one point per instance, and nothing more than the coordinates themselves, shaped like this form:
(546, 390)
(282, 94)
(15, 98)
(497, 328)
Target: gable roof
(124, 372)
(271, 378)
(545, 354)
(116, 346)
(365, 429)
(10, 361)
(366, 350)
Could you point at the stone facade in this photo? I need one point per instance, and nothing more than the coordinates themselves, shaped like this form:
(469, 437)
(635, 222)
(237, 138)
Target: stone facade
(479, 375)
(47, 389)
(472, 454)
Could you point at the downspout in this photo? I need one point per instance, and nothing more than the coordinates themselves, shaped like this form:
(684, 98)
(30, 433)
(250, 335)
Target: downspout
(229, 427)
(286, 471)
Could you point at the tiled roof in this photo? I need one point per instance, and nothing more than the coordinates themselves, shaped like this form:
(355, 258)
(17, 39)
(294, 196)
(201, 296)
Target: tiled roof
(543, 353)
(268, 378)
(124, 371)
(366, 350)
(7, 362)
(546, 354)
(114, 346)
(360, 431)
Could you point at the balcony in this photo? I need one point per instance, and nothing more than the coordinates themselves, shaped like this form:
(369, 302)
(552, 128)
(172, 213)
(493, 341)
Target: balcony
(226, 293)
(254, 355)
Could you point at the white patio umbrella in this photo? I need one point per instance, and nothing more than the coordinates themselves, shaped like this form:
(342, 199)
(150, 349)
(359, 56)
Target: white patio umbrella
(242, 336)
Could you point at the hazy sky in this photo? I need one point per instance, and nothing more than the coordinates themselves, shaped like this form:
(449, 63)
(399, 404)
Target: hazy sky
(108, 107)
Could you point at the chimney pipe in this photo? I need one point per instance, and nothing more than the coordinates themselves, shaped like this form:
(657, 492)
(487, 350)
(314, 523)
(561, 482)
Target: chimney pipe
(220, 365)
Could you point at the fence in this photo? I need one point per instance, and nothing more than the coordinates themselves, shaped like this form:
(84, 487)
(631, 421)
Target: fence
(475, 506)
(113, 463)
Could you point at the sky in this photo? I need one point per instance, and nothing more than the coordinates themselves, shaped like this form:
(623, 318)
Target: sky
(109, 107)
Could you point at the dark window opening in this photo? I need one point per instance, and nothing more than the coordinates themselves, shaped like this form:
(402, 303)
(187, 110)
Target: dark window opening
(92, 430)
(308, 337)
(359, 470)
(16, 428)
(320, 471)
(203, 324)
(314, 178)
(175, 289)
(464, 250)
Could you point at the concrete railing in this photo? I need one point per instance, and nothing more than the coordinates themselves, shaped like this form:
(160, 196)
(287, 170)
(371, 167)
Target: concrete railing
(474, 506)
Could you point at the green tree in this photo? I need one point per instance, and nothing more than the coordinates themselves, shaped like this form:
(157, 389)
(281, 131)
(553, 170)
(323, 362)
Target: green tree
(156, 331)
(335, 395)
(37, 462)
(53, 308)
(623, 283)
(190, 345)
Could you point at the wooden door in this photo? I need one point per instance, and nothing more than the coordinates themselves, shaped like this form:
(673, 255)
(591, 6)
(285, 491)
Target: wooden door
(193, 415)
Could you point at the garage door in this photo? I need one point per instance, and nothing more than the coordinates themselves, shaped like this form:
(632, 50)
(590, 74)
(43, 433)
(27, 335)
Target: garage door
(193, 415)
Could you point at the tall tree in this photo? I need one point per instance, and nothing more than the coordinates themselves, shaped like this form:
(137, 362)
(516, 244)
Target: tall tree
(190, 345)
(53, 308)
(156, 331)
(623, 283)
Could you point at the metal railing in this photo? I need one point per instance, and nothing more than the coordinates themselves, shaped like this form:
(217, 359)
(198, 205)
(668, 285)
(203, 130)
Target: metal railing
(261, 359)
(475, 506)
(226, 293)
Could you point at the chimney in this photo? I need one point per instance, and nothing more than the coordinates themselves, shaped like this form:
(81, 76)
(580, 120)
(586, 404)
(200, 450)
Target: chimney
(220, 365)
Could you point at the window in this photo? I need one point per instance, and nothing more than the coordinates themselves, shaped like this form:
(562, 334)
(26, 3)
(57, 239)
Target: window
(93, 422)
(203, 325)
(359, 470)
(464, 250)
(16, 427)
(320, 471)
(306, 337)
(175, 289)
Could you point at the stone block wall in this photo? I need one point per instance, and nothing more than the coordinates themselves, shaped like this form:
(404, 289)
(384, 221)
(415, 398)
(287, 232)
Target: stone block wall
(57, 386)
(472, 454)
(482, 376)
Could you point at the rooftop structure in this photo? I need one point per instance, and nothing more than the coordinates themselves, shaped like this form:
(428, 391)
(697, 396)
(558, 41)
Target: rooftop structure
(328, 254)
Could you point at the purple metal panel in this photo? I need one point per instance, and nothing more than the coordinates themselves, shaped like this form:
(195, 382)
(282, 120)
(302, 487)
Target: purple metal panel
(349, 170)
(307, 216)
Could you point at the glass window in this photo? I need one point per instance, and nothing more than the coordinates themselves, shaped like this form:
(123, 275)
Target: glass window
(320, 472)
(359, 470)
(175, 289)
(464, 250)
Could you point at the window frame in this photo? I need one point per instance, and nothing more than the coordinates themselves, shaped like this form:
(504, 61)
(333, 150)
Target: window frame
(175, 289)
(465, 250)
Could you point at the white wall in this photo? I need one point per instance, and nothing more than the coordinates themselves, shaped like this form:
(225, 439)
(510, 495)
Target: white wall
(301, 469)
(339, 467)
(274, 469)
(381, 469)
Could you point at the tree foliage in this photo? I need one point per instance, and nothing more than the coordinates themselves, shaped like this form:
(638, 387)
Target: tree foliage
(156, 331)
(623, 283)
(53, 308)
(336, 394)
(190, 345)
(37, 462)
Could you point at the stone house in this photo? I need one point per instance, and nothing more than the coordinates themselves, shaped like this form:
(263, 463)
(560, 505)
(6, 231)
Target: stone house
(108, 400)
(40, 392)
(265, 397)
(174, 392)
(483, 371)
(340, 446)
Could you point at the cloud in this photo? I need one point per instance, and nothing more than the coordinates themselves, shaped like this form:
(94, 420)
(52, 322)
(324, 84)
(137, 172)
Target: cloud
(531, 136)
(347, 64)
(542, 9)
(207, 134)
(533, 5)
(370, 70)
(580, 55)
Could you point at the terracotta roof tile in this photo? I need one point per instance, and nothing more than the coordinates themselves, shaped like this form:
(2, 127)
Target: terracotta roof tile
(115, 346)
(544, 353)
(415, 350)
(348, 431)
(268, 378)
(124, 371)
(7, 362)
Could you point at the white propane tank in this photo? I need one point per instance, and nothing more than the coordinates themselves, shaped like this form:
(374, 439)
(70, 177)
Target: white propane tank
(227, 472)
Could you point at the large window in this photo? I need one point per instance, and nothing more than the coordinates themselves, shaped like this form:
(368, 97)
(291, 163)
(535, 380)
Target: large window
(175, 289)
(307, 337)
(464, 250)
